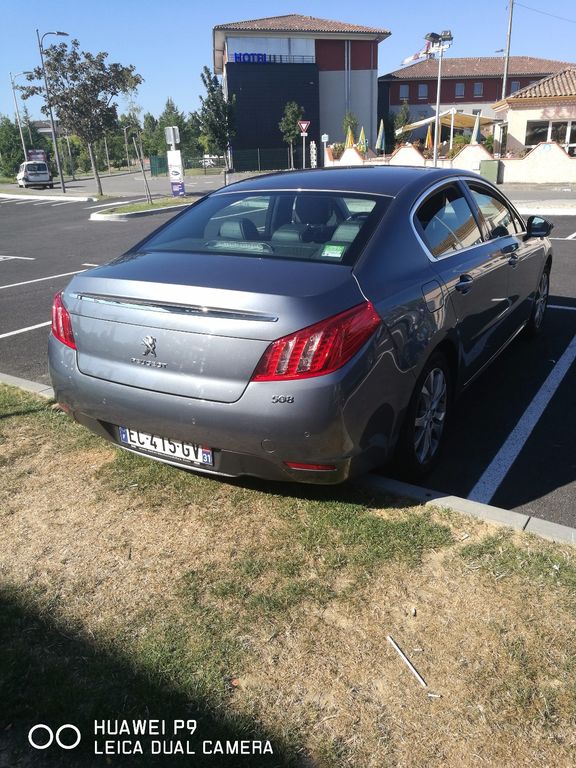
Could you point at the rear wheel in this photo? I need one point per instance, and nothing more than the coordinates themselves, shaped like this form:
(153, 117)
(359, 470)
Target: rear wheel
(424, 430)
(540, 303)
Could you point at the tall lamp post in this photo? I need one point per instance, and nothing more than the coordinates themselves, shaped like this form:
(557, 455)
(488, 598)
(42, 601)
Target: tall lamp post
(12, 78)
(49, 104)
(440, 43)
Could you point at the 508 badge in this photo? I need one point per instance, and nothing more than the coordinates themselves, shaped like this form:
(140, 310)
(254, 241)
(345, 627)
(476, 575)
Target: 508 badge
(283, 399)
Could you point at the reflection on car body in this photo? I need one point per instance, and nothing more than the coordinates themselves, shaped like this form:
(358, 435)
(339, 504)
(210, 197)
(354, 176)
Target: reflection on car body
(309, 325)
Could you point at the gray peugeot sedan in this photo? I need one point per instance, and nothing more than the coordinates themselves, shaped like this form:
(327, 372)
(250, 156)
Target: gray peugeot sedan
(302, 326)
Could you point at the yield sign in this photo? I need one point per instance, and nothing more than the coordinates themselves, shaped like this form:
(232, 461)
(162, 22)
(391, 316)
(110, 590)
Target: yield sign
(303, 125)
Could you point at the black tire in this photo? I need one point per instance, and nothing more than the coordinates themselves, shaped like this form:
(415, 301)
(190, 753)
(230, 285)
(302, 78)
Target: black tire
(536, 321)
(425, 424)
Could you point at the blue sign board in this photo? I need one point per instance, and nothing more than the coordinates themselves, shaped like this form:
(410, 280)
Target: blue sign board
(177, 188)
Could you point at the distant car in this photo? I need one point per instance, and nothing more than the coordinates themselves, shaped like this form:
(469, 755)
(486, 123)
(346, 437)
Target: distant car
(34, 173)
(302, 326)
(207, 162)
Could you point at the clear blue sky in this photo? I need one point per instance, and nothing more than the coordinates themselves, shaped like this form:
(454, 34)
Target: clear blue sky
(170, 42)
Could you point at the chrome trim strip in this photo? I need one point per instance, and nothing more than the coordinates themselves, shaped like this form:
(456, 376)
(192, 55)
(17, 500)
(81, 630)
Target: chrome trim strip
(174, 308)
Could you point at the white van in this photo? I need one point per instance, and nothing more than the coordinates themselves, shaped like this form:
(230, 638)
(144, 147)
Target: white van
(34, 173)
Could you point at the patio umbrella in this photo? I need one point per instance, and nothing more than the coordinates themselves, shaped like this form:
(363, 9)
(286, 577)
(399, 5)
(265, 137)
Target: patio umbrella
(428, 143)
(381, 139)
(349, 139)
(362, 143)
(475, 130)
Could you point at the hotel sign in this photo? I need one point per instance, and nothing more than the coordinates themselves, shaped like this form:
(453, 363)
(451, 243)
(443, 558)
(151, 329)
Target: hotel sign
(250, 58)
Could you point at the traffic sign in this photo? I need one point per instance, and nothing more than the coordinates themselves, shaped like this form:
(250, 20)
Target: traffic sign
(303, 125)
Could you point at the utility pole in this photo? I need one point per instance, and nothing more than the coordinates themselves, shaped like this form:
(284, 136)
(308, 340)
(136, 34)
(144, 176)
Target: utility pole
(507, 56)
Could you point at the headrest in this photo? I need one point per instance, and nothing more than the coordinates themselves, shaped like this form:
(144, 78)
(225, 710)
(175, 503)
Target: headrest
(313, 209)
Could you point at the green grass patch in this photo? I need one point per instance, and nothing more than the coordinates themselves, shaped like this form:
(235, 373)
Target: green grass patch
(543, 564)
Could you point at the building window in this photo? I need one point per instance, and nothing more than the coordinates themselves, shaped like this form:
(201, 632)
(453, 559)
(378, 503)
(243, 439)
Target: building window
(422, 90)
(478, 90)
(404, 92)
(514, 86)
(561, 131)
(459, 90)
(536, 131)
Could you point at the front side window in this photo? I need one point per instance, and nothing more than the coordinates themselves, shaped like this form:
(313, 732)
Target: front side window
(314, 226)
(500, 220)
(422, 90)
(446, 223)
(478, 89)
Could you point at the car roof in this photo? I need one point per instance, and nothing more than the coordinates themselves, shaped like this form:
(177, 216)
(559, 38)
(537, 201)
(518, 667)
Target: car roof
(378, 180)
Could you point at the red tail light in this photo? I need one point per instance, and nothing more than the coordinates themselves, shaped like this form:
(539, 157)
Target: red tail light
(61, 323)
(320, 348)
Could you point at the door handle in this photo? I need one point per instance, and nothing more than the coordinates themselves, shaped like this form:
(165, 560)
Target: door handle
(464, 284)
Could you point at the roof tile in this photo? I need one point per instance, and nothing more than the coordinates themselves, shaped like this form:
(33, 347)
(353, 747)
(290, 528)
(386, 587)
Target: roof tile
(294, 22)
(482, 66)
(557, 85)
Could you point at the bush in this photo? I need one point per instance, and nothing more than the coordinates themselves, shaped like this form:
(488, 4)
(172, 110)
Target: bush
(337, 150)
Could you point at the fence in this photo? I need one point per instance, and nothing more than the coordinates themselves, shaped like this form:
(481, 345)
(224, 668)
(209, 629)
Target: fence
(258, 159)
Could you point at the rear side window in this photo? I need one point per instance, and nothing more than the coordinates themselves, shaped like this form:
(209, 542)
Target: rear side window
(315, 226)
(500, 219)
(446, 223)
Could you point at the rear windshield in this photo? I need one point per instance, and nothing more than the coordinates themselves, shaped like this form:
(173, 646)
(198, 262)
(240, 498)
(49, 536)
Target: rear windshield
(319, 226)
(37, 167)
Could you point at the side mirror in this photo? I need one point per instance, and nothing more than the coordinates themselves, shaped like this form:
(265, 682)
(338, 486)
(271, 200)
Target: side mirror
(538, 227)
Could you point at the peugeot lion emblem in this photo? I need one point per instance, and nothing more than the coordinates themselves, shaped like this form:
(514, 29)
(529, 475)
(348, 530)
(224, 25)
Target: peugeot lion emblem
(150, 345)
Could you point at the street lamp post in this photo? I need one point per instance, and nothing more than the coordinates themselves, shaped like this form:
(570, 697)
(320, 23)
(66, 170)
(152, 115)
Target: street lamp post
(440, 43)
(49, 104)
(12, 78)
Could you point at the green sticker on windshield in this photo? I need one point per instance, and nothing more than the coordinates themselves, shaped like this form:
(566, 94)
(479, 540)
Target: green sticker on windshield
(333, 251)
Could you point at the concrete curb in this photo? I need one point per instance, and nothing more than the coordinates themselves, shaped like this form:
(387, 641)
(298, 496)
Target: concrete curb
(28, 386)
(103, 216)
(386, 486)
(525, 209)
(51, 198)
(560, 534)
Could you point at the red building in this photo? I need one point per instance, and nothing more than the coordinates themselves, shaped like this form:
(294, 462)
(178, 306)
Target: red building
(469, 84)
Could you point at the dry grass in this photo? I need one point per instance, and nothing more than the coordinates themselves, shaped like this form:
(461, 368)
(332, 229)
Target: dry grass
(269, 608)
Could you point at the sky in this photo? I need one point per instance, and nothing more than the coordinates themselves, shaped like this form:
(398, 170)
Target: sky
(170, 43)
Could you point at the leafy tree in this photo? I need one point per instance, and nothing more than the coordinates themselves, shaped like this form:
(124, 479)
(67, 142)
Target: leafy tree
(403, 118)
(11, 154)
(216, 115)
(350, 121)
(83, 87)
(289, 126)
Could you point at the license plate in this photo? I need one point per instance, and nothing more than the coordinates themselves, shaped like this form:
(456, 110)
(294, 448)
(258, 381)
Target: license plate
(188, 453)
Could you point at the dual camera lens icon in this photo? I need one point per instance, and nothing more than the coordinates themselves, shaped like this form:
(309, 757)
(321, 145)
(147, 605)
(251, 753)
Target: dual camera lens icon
(42, 736)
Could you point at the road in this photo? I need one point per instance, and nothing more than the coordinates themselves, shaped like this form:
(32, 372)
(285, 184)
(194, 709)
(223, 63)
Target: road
(494, 454)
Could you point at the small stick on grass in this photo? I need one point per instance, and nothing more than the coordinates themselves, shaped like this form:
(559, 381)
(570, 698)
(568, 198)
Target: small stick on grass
(407, 661)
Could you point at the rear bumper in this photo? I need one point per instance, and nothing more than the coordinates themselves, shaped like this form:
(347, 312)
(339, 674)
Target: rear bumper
(345, 420)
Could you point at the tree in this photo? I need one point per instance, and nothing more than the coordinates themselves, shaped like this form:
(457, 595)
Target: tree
(82, 89)
(11, 154)
(403, 118)
(350, 121)
(289, 126)
(216, 115)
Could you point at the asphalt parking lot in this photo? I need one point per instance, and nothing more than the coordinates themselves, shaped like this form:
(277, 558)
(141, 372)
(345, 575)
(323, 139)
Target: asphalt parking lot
(513, 437)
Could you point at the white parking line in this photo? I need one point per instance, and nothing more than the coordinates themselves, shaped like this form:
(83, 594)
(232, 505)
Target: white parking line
(572, 236)
(500, 465)
(20, 258)
(40, 279)
(24, 330)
